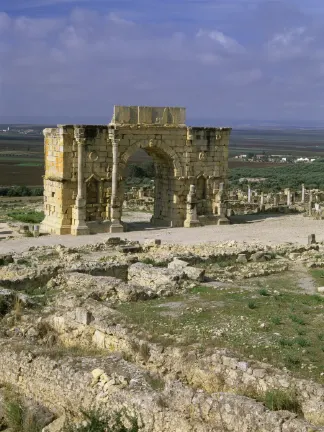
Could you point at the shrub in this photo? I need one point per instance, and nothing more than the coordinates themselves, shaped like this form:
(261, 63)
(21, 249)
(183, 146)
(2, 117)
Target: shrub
(252, 305)
(297, 320)
(285, 342)
(99, 422)
(264, 292)
(302, 342)
(277, 400)
(18, 191)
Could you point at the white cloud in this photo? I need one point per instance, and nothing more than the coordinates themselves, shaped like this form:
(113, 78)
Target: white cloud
(113, 17)
(36, 28)
(290, 44)
(221, 40)
(87, 60)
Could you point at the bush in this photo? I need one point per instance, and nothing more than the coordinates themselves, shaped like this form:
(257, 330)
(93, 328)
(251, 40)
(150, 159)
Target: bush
(34, 217)
(277, 400)
(99, 422)
(21, 191)
(277, 178)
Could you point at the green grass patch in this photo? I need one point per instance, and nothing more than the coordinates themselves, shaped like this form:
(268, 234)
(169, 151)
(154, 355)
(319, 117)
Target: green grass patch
(264, 292)
(27, 217)
(231, 317)
(296, 319)
(278, 400)
(318, 275)
(30, 164)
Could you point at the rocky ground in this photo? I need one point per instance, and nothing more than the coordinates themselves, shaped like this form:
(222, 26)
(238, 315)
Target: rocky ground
(214, 336)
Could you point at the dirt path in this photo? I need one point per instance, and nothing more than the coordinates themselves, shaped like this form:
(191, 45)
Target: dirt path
(304, 279)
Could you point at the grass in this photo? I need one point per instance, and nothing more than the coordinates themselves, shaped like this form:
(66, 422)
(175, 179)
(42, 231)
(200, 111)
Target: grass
(264, 292)
(271, 329)
(17, 417)
(28, 217)
(96, 421)
(277, 400)
(318, 276)
(154, 262)
(60, 351)
(276, 320)
(296, 319)
(30, 164)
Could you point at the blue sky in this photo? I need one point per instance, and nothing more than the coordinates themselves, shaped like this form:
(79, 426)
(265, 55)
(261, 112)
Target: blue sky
(223, 59)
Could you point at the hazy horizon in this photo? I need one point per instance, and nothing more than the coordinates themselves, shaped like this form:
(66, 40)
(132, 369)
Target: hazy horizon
(101, 120)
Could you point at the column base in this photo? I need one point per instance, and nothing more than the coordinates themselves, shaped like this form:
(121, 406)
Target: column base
(80, 230)
(79, 226)
(191, 223)
(223, 221)
(116, 227)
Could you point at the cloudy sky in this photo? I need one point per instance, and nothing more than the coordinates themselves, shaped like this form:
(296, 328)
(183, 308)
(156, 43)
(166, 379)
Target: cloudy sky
(233, 60)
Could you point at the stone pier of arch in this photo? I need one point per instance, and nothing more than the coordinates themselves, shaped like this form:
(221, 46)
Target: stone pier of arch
(85, 167)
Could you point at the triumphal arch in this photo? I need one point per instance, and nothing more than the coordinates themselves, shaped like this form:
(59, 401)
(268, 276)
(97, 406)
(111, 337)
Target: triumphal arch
(85, 171)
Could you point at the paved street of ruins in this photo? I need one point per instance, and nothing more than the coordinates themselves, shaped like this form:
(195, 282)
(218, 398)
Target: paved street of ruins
(262, 229)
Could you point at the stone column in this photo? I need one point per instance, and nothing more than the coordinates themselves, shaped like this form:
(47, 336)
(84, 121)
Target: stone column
(275, 200)
(249, 194)
(191, 215)
(116, 225)
(303, 194)
(79, 226)
(310, 203)
(262, 206)
(222, 206)
(288, 197)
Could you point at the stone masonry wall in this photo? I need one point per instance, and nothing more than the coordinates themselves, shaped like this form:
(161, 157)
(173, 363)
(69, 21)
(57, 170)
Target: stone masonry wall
(85, 169)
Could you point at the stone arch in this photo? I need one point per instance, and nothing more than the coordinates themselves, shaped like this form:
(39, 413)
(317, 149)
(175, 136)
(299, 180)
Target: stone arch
(167, 168)
(153, 147)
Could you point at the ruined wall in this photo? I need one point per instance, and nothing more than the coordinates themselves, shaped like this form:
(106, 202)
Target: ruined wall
(85, 169)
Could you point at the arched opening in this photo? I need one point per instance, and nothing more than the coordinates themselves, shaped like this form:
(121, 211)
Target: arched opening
(93, 199)
(148, 189)
(201, 195)
(201, 188)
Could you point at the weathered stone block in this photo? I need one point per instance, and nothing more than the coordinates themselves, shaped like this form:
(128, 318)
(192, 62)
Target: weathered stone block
(83, 316)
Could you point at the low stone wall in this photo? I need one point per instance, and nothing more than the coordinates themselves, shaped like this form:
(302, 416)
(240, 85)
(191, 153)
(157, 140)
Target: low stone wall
(110, 383)
(218, 371)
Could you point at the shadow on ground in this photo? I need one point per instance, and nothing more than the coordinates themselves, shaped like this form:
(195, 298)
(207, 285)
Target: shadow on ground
(253, 218)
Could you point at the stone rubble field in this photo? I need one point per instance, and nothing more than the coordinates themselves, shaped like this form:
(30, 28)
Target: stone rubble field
(185, 337)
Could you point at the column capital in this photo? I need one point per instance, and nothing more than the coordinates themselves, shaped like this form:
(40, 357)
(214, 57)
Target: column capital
(79, 134)
(115, 141)
(80, 141)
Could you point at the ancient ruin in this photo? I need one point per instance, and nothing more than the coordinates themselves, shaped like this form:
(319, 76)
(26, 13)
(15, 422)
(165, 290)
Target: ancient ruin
(85, 169)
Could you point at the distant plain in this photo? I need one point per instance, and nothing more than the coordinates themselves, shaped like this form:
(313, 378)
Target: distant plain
(22, 155)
